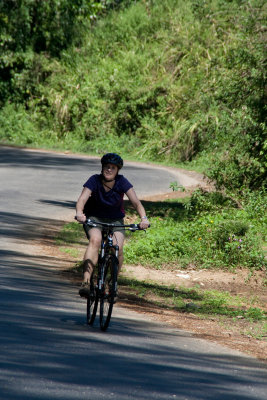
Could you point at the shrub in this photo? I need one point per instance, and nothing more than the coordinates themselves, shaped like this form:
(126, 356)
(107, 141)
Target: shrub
(230, 232)
(209, 240)
(202, 200)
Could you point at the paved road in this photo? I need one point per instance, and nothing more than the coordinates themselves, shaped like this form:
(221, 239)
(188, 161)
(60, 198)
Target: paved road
(47, 351)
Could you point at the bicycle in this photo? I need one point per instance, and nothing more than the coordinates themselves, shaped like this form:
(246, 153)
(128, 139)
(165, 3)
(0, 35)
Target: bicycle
(103, 284)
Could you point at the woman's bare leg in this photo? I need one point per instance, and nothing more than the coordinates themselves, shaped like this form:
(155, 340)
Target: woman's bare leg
(118, 239)
(91, 253)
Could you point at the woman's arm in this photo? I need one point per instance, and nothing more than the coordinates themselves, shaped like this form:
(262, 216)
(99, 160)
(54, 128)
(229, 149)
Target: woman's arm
(139, 208)
(84, 196)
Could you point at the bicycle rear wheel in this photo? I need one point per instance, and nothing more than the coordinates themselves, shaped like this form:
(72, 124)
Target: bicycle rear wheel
(109, 291)
(92, 301)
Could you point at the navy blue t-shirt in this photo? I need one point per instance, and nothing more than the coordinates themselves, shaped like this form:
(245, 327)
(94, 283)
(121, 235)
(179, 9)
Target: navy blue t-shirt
(104, 204)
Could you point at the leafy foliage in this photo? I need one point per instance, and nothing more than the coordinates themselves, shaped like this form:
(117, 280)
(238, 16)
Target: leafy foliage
(203, 235)
(173, 81)
(202, 200)
(29, 27)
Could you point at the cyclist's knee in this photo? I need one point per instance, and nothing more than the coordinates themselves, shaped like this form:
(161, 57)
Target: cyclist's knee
(95, 242)
(95, 239)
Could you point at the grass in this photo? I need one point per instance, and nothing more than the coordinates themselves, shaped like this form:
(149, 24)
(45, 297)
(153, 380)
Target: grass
(74, 253)
(70, 238)
(70, 234)
(199, 301)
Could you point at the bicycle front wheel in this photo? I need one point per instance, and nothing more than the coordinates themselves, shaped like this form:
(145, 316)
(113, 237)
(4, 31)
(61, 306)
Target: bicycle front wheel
(92, 301)
(109, 291)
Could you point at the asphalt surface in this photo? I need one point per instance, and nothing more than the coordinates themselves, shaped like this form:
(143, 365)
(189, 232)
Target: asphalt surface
(46, 349)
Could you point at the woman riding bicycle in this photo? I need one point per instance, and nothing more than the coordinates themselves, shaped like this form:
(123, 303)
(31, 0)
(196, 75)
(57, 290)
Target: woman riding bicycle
(102, 200)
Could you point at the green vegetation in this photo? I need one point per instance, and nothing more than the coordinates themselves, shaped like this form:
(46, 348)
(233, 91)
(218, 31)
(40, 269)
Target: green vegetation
(71, 233)
(179, 81)
(32, 35)
(207, 230)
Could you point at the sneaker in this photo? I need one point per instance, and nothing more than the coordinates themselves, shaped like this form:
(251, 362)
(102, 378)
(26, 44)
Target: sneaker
(85, 290)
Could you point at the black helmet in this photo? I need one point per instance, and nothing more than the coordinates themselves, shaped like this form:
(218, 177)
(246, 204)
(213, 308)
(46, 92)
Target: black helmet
(112, 158)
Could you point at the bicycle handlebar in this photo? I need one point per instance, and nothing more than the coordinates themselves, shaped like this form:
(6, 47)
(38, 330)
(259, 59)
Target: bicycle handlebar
(130, 227)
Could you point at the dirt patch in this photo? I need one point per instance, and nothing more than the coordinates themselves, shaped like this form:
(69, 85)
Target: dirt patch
(240, 282)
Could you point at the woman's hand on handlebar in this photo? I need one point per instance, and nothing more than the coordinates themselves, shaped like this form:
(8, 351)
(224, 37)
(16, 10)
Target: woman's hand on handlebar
(80, 217)
(144, 224)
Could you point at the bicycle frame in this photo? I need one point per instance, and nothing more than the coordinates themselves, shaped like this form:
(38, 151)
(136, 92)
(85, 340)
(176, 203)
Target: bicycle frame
(107, 243)
(106, 247)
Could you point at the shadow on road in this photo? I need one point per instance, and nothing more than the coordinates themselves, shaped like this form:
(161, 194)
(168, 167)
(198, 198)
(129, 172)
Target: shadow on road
(17, 157)
(61, 204)
(47, 350)
(19, 226)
